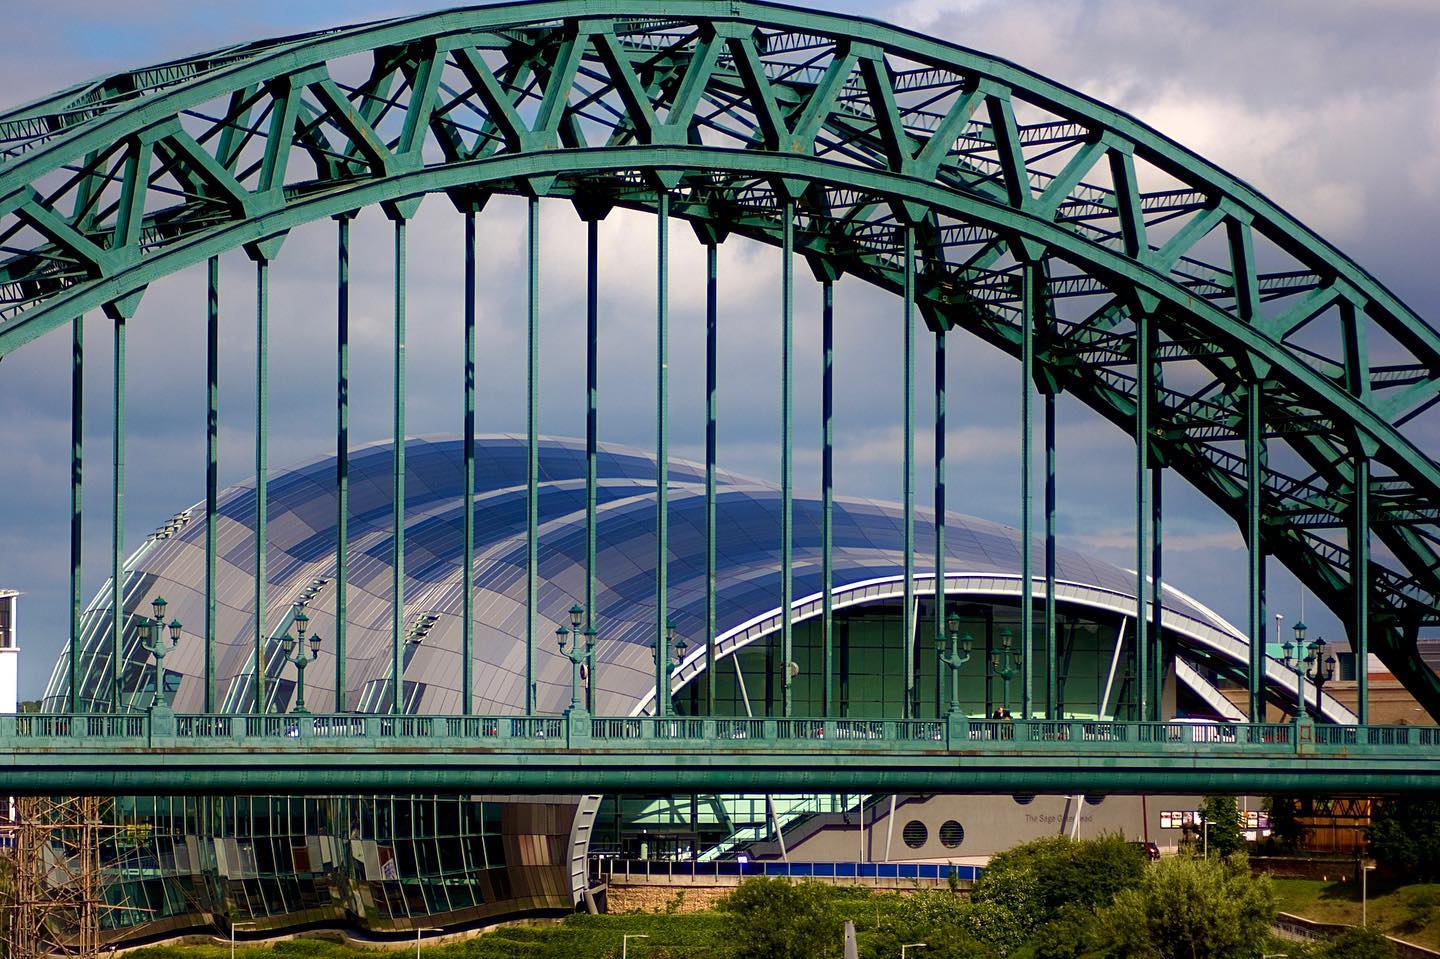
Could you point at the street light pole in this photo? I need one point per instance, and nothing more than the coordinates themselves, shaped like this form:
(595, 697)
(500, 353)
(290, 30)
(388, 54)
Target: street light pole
(1365, 893)
(1005, 664)
(154, 644)
(958, 655)
(576, 645)
(625, 943)
(674, 654)
(294, 653)
(911, 945)
(1295, 659)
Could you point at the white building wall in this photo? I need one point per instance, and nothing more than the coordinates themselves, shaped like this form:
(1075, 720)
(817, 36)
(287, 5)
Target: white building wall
(9, 653)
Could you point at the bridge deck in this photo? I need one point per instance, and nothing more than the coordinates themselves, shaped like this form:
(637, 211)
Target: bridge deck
(167, 753)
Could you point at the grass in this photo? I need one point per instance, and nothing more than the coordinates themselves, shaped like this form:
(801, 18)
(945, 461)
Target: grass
(1407, 911)
(695, 936)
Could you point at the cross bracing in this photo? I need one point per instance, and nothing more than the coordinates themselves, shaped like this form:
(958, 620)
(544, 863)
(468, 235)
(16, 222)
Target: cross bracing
(1277, 376)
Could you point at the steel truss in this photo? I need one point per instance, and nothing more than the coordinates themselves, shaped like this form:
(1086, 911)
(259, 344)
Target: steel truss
(1270, 371)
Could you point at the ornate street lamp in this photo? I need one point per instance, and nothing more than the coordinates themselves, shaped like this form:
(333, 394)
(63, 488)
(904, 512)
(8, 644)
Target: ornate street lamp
(1295, 659)
(295, 653)
(154, 644)
(959, 655)
(1005, 663)
(1321, 668)
(674, 655)
(577, 645)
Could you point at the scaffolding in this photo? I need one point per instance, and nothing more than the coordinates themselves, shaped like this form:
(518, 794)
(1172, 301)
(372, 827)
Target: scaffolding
(56, 897)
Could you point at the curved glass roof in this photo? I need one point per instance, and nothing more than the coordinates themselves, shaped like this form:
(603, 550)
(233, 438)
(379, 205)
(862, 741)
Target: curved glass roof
(868, 537)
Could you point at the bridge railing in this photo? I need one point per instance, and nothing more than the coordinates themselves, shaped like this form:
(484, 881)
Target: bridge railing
(188, 731)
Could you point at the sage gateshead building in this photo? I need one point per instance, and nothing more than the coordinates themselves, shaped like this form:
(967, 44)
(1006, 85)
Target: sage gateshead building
(389, 864)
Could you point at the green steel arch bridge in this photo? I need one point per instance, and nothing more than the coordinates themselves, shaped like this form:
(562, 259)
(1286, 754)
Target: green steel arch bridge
(1240, 349)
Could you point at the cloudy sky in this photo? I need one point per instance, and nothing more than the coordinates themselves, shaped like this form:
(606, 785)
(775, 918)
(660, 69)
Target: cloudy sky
(1331, 108)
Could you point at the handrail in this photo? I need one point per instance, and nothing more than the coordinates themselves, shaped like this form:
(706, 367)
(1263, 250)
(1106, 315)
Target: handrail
(169, 731)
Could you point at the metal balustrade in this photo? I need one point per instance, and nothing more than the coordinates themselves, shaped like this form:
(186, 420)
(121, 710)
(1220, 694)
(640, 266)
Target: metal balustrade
(187, 731)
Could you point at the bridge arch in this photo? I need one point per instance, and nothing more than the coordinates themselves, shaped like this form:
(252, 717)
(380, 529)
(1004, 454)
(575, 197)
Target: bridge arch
(1167, 295)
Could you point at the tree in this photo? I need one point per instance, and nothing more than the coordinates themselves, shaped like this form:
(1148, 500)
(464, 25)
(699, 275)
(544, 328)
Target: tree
(1356, 943)
(1286, 829)
(778, 919)
(1405, 836)
(1225, 832)
(1057, 871)
(1189, 908)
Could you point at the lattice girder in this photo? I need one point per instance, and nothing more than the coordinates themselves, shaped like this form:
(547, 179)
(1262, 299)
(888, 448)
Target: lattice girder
(733, 108)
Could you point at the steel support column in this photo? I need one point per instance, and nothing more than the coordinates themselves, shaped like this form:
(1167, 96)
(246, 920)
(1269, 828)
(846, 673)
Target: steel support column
(662, 455)
(1158, 660)
(212, 467)
(1142, 511)
(1052, 634)
(397, 556)
(827, 490)
(262, 468)
(1254, 484)
(532, 439)
(592, 432)
(1029, 308)
(908, 428)
(1360, 585)
(342, 456)
(712, 343)
(117, 519)
(77, 442)
(467, 575)
(787, 388)
(940, 638)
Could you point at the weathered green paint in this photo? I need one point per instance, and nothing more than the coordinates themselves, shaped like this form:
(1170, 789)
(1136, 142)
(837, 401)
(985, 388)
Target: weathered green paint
(904, 166)
(787, 442)
(117, 517)
(907, 379)
(212, 469)
(397, 519)
(592, 429)
(77, 527)
(1255, 547)
(467, 576)
(662, 455)
(342, 458)
(1158, 659)
(383, 754)
(712, 383)
(827, 491)
(532, 441)
(1030, 307)
(1360, 584)
(262, 471)
(940, 637)
(1142, 513)
(1052, 633)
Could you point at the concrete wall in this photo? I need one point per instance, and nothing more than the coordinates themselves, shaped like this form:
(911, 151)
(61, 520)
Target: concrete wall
(990, 824)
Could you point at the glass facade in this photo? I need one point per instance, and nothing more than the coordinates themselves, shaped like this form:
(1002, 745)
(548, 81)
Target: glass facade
(391, 864)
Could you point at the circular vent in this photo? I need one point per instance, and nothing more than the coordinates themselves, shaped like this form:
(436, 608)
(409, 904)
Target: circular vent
(1024, 799)
(915, 834)
(952, 834)
(1094, 800)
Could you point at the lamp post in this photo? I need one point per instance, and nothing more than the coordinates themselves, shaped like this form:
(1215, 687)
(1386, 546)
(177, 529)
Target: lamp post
(674, 655)
(154, 644)
(1294, 659)
(298, 659)
(576, 645)
(957, 656)
(1005, 663)
(625, 943)
(420, 930)
(1365, 872)
(910, 945)
(1321, 668)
